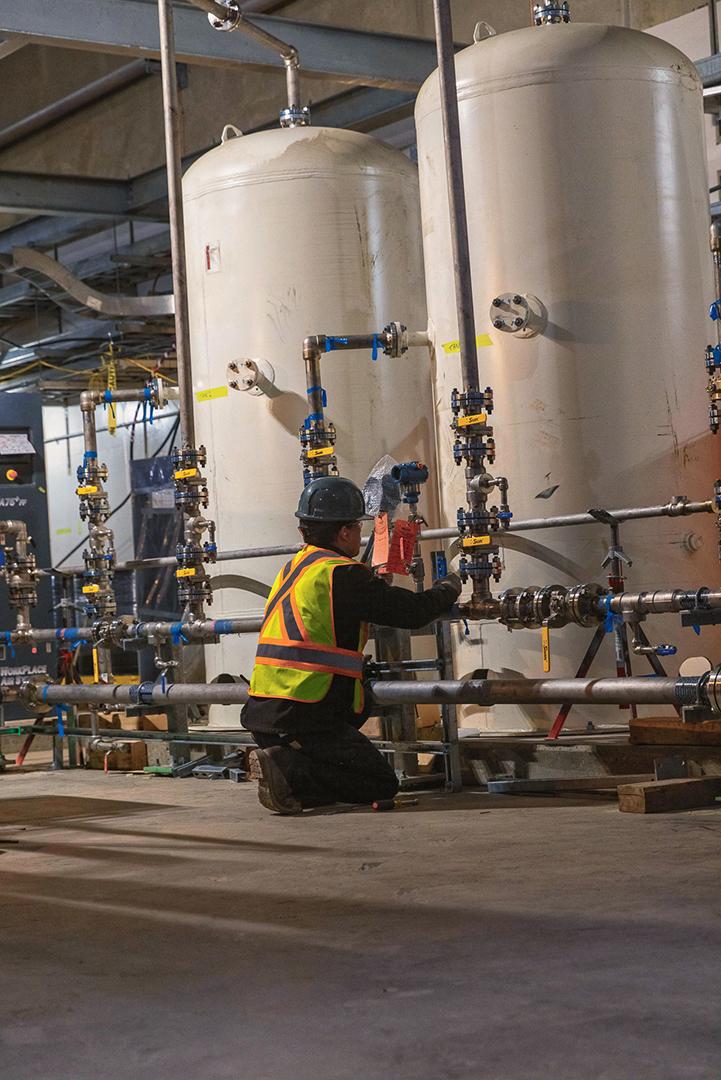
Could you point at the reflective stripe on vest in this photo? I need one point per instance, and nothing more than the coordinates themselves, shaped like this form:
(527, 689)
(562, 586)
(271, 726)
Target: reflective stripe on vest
(297, 653)
(282, 588)
(313, 657)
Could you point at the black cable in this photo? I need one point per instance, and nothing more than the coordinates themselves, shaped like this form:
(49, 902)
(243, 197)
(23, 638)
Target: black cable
(132, 430)
(168, 438)
(54, 569)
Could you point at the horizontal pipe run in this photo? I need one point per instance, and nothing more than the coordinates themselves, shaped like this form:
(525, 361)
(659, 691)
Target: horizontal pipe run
(489, 692)
(529, 525)
(200, 630)
(660, 602)
(146, 694)
(230, 737)
(638, 691)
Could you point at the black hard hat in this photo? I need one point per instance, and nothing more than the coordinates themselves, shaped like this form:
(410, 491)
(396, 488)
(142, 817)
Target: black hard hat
(331, 498)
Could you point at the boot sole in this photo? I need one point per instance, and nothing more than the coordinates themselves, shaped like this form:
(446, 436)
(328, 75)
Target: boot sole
(273, 790)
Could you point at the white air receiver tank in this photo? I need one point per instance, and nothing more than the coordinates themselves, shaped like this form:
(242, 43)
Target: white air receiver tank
(291, 233)
(586, 188)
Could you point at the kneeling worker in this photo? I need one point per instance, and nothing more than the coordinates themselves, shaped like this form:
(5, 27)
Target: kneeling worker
(306, 693)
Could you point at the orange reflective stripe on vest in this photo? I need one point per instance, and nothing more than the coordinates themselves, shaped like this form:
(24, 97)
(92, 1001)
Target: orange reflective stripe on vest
(313, 657)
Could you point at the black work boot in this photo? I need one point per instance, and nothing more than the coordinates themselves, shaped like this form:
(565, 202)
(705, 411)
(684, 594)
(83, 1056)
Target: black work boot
(274, 791)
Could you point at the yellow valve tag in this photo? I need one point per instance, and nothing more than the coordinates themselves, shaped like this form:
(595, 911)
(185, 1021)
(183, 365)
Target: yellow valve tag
(89, 489)
(455, 346)
(475, 541)
(322, 451)
(546, 647)
(477, 418)
(96, 666)
(212, 393)
(188, 571)
(91, 588)
(183, 474)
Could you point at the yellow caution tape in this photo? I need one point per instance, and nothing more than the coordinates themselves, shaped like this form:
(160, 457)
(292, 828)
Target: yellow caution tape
(475, 541)
(482, 340)
(477, 418)
(89, 489)
(91, 588)
(210, 395)
(322, 451)
(189, 571)
(183, 474)
(546, 648)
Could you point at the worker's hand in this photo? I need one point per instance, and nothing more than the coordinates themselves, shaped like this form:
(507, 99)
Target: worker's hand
(454, 581)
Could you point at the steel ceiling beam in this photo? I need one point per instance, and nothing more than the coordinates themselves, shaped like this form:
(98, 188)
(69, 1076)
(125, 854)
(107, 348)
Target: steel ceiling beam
(80, 198)
(8, 46)
(33, 193)
(131, 27)
(362, 109)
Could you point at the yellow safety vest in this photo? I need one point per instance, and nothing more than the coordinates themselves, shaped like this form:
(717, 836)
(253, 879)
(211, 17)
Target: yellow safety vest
(297, 653)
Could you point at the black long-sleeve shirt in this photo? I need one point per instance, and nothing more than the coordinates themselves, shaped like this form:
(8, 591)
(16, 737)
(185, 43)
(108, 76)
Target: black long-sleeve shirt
(358, 596)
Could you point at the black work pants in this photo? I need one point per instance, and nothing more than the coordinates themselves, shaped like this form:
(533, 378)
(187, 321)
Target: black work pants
(338, 765)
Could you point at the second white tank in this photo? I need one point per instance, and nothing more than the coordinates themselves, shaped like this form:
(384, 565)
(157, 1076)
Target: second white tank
(586, 188)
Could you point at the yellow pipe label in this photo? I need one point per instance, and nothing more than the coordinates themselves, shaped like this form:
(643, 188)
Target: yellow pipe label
(183, 474)
(96, 666)
(546, 648)
(475, 541)
(466, 421)
(322, 451)
(482, 340)
(211, 394)
(91, 588)
(89, 489)
(188, 571)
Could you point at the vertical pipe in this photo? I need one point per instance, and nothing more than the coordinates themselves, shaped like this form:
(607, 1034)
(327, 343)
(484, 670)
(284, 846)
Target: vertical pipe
(456, 194)
(171, 116)
(292, 80)
(713, 27)
(311, 358)
(90, 438)
(715, 244)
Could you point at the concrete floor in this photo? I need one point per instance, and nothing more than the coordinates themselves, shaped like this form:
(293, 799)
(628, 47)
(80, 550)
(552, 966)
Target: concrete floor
(159, 929)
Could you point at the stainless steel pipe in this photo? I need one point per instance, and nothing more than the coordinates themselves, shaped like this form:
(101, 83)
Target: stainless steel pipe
(456, 194)
(172, 128)
(637, 691)
(528, 525)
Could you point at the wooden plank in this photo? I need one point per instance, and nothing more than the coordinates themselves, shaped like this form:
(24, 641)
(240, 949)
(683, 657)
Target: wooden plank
(657, 731)
(663, 796)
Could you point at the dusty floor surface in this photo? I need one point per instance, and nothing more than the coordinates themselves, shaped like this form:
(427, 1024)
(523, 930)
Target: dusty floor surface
(153, 928)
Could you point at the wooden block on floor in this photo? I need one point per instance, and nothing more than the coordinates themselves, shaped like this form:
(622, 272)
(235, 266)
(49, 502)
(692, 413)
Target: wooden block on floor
(664, 796)
(672, 731)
